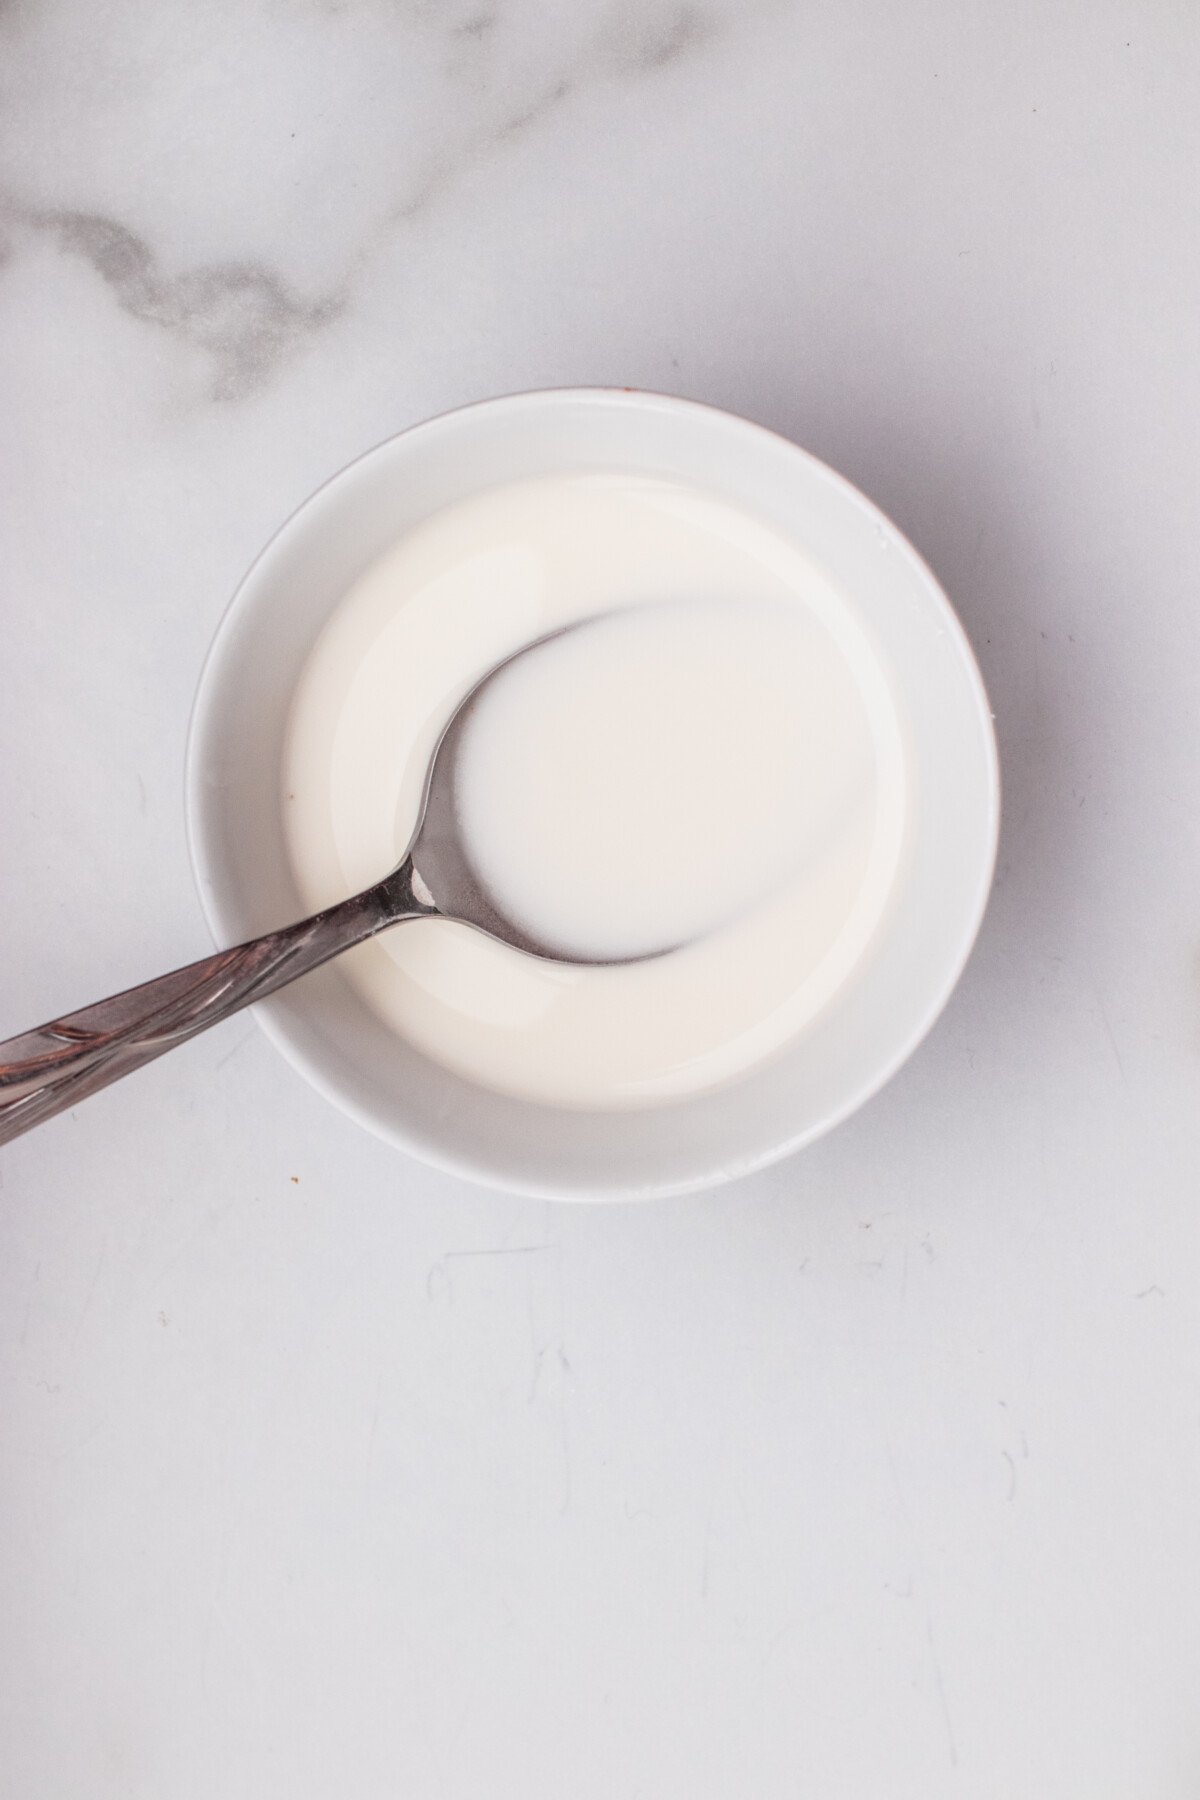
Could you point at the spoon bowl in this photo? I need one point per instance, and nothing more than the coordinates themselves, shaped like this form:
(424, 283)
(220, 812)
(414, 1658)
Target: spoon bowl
(441, 876)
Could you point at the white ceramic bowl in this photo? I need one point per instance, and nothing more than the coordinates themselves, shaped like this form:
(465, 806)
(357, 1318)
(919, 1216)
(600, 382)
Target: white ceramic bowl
(324, 1028)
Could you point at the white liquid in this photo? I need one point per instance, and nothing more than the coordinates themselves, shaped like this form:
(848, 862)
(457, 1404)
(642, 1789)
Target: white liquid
(637, 783)
(752, 798)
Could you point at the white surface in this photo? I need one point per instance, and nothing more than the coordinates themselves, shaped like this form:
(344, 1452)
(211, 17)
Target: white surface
(880, 1475)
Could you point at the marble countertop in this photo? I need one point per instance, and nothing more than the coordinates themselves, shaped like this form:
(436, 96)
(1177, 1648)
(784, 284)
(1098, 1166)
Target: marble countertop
(877, 1476)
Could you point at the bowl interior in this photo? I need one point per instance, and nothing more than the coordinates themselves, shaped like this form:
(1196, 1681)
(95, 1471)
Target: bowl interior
(246, 887)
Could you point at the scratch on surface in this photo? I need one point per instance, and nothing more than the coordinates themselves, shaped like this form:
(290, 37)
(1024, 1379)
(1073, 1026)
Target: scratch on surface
(704, 1554)
(67, 1451)
(207, 1223)
(499, 1250)
(564, 1441)
(438, 1285)
(91, 1293)
(1012, 1476)
(899, 1485)
(231, 1053)
(564, 1425)
(537, 1350)
(549, 1367)
(374, 1431)
(1109, 1033)
(1154, 1288)
(941, 1693)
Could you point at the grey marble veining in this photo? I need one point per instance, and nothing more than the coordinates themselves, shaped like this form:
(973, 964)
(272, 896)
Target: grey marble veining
(244, 315)
(248, 316)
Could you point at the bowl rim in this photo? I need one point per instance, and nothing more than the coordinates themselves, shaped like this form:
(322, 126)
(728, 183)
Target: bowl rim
(466, 1165)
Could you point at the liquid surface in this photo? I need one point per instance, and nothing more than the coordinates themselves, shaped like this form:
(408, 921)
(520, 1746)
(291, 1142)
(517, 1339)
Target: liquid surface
(753, 796)
(640, 781)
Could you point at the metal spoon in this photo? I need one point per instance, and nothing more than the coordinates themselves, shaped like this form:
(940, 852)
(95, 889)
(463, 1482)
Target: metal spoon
(44, 1071)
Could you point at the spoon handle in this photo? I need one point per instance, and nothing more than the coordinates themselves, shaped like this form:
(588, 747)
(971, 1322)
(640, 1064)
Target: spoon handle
(46, 1070)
